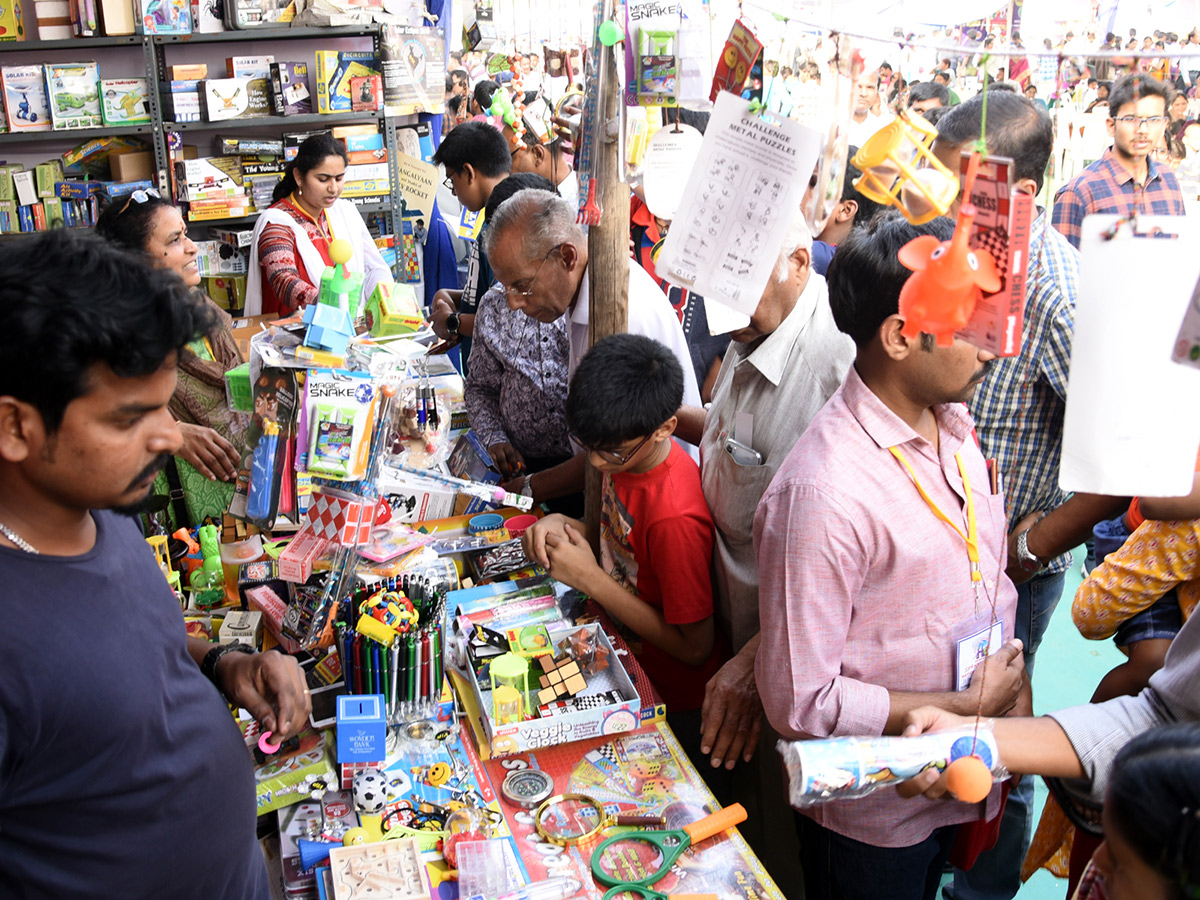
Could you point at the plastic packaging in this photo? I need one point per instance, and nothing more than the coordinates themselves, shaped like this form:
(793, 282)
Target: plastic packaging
(853, 767)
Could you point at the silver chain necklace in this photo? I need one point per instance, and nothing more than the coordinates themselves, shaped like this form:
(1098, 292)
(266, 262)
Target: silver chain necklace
(17, 539)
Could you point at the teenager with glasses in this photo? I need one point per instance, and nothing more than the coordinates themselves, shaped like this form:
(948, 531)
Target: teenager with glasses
(212, 435)
(290, 248)
(1125, 179)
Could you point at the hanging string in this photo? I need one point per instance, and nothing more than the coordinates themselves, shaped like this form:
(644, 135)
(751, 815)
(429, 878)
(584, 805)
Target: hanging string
(1007, 51)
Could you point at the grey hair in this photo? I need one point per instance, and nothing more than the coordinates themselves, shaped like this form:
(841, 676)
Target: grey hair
(546, 221)
(798, 237)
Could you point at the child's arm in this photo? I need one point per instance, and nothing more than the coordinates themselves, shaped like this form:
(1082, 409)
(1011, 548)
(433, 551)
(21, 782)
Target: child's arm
(571, 562)
(1155, 558)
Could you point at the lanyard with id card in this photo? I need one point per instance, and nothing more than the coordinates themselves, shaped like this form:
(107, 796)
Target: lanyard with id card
(973, 649)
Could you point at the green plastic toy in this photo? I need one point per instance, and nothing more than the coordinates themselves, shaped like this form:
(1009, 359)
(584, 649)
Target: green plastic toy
(208, 581)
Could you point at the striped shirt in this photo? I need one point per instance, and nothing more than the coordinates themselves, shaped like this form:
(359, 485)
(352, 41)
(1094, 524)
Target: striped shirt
(1108, 187)
(1019, 406)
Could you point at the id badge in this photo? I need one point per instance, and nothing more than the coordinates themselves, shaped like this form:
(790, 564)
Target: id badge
(973, 650)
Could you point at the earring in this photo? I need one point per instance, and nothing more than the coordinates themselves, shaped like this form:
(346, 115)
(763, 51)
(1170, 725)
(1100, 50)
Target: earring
(299, 192)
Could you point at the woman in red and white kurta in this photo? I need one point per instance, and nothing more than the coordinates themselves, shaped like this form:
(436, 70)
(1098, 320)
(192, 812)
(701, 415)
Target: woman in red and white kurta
(290, 249)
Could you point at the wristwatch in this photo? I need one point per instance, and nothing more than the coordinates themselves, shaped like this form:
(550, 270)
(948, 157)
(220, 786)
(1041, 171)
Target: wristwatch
(209, 666)
(1027, 560)
(452, 323)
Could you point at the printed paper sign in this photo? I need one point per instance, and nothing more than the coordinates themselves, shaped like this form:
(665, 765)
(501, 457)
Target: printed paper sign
(743, 194)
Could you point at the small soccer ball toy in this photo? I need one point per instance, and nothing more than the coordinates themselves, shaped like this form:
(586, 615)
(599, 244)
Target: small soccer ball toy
(370, 791)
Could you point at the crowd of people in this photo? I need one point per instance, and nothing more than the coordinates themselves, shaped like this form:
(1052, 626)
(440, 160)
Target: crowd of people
(801, 528)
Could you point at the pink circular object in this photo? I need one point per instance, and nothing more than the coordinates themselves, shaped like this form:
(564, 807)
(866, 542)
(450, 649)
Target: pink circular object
(266, 746)
(517, 524)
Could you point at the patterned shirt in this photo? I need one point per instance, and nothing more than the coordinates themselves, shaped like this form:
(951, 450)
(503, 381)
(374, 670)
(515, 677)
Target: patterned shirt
(1108, 187)
(1157, 557)
(516, 388)
(1019, 406)
(287, 285)
(862, 590)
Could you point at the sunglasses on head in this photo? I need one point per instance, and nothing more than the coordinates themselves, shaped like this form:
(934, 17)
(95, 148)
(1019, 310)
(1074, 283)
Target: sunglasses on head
(140, 196)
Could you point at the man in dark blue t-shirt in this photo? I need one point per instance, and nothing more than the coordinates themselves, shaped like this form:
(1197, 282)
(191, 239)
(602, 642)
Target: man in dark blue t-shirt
(122, 773)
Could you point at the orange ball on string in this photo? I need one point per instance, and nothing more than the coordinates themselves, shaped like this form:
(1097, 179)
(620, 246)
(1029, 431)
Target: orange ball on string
(969, 779)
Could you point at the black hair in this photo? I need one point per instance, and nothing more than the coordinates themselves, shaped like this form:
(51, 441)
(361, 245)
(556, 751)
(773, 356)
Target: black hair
(1016, 127)
(113, 307)
(934, 115)
(867, 208)
(475, 144)
(1004, 87)
(483, 94)
(929, 90)
(625, 387)
(865, 276)
(454, 104)
(517, 181)
(1154, 801)
(128, 223)
(311, 153)
(1132, 88)
(461, 75)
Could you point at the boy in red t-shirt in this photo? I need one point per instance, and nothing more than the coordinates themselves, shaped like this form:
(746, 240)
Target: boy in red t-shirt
(656, 533)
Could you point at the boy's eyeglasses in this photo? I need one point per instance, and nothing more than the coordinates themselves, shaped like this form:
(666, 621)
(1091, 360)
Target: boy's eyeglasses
(140, 196)
(1136, 122)
(613, 456)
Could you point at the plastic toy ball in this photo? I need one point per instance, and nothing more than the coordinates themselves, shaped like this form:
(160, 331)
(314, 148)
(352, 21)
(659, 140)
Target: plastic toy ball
(370, 790)
(969, 779)
(949, 277)
(610, 32)
(340, 251)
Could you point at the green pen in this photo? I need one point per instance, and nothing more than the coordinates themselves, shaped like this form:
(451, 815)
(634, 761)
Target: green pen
(413, 672)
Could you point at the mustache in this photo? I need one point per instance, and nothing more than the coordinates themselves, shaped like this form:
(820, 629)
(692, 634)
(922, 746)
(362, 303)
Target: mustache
(159, 463)
(983, 370)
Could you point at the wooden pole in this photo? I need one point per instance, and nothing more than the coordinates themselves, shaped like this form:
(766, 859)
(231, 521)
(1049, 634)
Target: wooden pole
(608, 253)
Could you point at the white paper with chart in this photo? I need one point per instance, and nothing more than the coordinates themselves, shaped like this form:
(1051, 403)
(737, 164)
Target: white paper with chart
(742, 196)
(1132, 425)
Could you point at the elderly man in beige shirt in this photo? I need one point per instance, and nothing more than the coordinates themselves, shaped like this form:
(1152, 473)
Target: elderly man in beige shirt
(778, 372)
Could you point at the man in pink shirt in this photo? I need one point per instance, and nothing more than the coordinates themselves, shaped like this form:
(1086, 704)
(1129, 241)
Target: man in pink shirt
(868, 597)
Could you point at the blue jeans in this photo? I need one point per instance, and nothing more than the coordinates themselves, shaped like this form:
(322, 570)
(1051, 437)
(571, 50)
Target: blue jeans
(996, 874)
(841, 868)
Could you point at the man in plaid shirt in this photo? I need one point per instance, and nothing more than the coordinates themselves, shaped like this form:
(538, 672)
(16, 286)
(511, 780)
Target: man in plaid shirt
(1125, 179)
(1018, 412)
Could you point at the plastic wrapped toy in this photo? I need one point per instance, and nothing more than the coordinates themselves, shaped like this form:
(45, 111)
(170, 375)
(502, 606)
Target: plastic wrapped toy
(852, 767)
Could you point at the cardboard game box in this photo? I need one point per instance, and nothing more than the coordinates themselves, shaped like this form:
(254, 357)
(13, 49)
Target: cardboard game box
(334, 69)
(290, 95)
(123, 101)
(25, 104)
(234, 98)
(73, 95)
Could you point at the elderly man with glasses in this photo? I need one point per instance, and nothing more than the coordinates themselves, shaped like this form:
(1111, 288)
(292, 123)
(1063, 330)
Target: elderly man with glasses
(1125, 180)
(539, 256)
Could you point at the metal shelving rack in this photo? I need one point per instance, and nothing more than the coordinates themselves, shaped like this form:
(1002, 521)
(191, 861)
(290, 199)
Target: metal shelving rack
(154, 49)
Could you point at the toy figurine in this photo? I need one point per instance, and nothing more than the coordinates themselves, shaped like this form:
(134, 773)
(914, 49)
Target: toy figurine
(330, 320)
(208, 582)
(949, 277)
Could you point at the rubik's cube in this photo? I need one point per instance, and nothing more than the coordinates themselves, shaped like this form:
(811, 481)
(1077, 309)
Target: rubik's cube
(561, 678)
